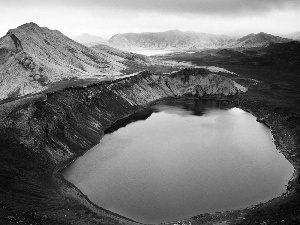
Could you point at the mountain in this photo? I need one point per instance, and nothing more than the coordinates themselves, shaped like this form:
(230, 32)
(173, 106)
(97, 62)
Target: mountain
(33, 59)
(275, 54)
(88, 39)
(120, 53)
(257, 40)
(294, 36)
(172, 39)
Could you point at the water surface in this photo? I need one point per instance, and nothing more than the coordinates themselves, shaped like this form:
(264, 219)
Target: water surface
(150, 52)
(181, 158)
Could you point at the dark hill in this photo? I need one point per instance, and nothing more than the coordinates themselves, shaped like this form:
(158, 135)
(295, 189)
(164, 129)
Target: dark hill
(257, 40)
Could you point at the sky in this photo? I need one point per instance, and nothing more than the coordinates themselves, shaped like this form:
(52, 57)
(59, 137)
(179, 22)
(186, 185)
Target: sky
(108, 17)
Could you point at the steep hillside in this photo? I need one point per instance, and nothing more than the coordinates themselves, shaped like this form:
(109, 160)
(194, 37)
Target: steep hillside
(40, 137)
(257, 40)
(173, 39)
(33, 59)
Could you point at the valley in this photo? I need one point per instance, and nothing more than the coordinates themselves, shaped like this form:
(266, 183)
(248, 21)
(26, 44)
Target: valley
(58, 97)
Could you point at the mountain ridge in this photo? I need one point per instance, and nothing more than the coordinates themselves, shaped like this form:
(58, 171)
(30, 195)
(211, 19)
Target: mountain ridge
(190, 40)
(257, 40)
(32, 58)
(171, 39)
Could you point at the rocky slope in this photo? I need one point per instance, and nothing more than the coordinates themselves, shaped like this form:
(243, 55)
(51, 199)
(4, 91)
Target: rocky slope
(173, 39)
(257, 40)
(34, 59)
(40, 136)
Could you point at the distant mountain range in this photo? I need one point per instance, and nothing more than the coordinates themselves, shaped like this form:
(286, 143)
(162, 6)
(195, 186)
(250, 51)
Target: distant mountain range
(34, 58)
(294, 36)
(257, 40)
(178, 40)
(88, 39)
(171, 40)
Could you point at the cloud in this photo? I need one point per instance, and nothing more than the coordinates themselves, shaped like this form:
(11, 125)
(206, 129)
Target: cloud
(108, 17)
(204, 7)
(213, 7)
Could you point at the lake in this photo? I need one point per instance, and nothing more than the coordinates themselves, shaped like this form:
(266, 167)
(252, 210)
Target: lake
(150, 52)
(180, 158)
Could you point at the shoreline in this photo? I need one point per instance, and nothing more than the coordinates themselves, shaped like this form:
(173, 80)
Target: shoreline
(73, 102)
(289, 185)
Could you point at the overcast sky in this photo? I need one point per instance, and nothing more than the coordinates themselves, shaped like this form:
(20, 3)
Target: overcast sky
(107, 17)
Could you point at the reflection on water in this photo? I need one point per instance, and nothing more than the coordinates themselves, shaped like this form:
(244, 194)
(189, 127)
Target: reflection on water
(150, 52)
(181, 158)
